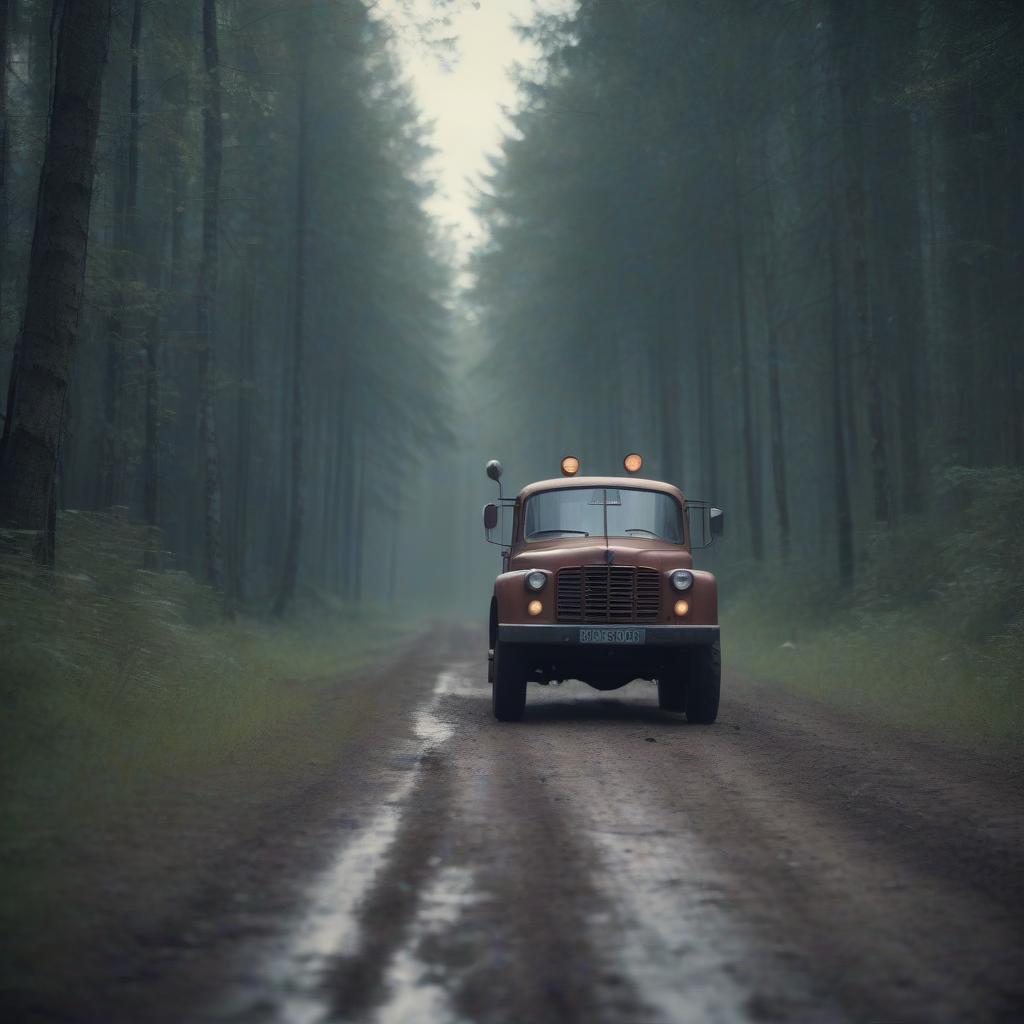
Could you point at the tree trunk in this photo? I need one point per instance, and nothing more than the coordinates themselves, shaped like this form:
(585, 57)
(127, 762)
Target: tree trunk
(114, 457)
(110, 456)
(775, 428)
(843, 511)
(751, 462)
(151, 453)
(6, 16)
(359, 525)
(243, 442)
(353, 498)
(851, 55)
(328, 497)
(392, 591)
(151, 442)
(668, 385)
(709, 467)
(296, 515)
(40, 376)
(338, 521)
(207, 297)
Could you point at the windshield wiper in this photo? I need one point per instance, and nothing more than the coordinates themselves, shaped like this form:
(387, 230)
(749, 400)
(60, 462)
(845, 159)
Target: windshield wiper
(538, 533)
(640, 529)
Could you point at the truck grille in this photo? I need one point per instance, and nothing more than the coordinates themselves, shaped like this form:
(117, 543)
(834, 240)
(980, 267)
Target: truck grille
(607, 593)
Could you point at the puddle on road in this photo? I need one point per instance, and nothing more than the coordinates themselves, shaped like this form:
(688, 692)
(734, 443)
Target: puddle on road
(413, 995)
(686, 954)
(675, 947)
(290, 986)
(428, 723)
(330, 926)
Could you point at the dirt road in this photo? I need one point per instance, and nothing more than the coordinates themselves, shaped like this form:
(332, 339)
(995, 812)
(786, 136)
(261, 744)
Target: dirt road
(604, 861)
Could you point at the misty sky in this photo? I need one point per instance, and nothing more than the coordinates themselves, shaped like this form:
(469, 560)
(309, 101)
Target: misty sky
(465, 99)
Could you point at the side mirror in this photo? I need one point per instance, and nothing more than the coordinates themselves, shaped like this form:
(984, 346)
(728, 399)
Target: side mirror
(490, 516)
(717, 522)
(494, 469)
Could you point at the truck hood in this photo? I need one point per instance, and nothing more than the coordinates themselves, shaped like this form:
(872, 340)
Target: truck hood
(560, 552)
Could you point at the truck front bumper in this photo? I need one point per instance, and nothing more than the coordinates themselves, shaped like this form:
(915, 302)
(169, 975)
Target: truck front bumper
(569, 635)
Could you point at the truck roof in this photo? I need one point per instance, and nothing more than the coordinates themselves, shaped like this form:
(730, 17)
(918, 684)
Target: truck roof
(563, 482)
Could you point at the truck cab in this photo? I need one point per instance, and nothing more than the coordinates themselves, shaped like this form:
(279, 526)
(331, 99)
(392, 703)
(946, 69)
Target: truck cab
(598, 584)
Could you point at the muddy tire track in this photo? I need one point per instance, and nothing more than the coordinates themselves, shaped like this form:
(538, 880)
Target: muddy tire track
(603, 861)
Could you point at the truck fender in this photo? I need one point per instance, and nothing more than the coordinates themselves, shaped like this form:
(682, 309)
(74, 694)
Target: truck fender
(510, 595)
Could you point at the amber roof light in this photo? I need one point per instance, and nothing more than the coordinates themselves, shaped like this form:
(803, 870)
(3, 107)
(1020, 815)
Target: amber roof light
(570, 465)
(633, 463)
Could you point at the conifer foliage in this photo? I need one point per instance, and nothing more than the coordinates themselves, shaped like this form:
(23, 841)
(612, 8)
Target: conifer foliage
(776, 246)
(261, 344)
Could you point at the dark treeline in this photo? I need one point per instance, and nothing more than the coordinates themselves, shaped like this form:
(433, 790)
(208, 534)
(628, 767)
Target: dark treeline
(260, 350)
(777, 246)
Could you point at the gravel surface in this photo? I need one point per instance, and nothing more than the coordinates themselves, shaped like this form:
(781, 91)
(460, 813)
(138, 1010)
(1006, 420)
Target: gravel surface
(605, 861)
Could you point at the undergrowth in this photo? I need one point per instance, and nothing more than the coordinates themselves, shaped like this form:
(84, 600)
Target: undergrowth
(125, 692)
(111, 674)
(932, 632)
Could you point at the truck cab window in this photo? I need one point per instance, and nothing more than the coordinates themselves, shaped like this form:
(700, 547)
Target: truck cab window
(580, 511)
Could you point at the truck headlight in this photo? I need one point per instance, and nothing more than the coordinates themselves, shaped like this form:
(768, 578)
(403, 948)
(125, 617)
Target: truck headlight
(682, 579)
(536, 580)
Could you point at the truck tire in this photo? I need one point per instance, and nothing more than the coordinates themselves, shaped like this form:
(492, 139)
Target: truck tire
(672, 689)
(508, 689)
(703, 684)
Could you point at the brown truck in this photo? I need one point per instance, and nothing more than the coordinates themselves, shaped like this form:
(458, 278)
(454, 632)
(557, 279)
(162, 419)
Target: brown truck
(598, 584)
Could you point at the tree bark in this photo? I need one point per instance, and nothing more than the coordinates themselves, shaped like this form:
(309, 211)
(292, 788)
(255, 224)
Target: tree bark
(338, 520)
(151, 454)
(840, 469)
(114, 457)
(328, 496)
(207, 298)
(709, 467)
(775, 427)
(6, 16)
(286, 593)
(850, 55)
(668, 386)
(359, 526)
(40, 376)
(151, 444)
(243, 442)
(751, 462)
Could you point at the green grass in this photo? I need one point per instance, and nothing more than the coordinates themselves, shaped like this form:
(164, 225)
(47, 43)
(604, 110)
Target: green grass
(930, 635)
(903, 665)
(125, 694)
(113, 675)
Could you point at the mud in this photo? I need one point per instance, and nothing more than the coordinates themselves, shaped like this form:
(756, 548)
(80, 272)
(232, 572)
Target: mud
(604, 861)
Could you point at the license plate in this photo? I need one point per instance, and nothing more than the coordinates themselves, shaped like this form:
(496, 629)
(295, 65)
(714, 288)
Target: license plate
(612, 636)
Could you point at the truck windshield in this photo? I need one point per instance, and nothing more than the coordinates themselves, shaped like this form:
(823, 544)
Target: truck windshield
(580, 511)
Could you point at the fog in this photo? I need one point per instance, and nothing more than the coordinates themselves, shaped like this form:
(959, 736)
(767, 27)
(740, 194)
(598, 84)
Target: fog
(277, 280)
(775, 251)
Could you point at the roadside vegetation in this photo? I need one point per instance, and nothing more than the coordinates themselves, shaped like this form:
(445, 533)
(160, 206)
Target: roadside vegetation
(932, 635)
(137, 718)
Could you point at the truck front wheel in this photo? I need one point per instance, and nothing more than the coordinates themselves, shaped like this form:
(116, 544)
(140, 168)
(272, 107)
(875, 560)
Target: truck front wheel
(508, 688)
(703, 683)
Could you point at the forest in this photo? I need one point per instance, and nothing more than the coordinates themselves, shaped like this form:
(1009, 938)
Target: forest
(252, 382)
(775, 247)
(778, 247)
(240, 375)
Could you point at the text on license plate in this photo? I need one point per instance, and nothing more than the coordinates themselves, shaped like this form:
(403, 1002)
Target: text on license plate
(612, 636)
